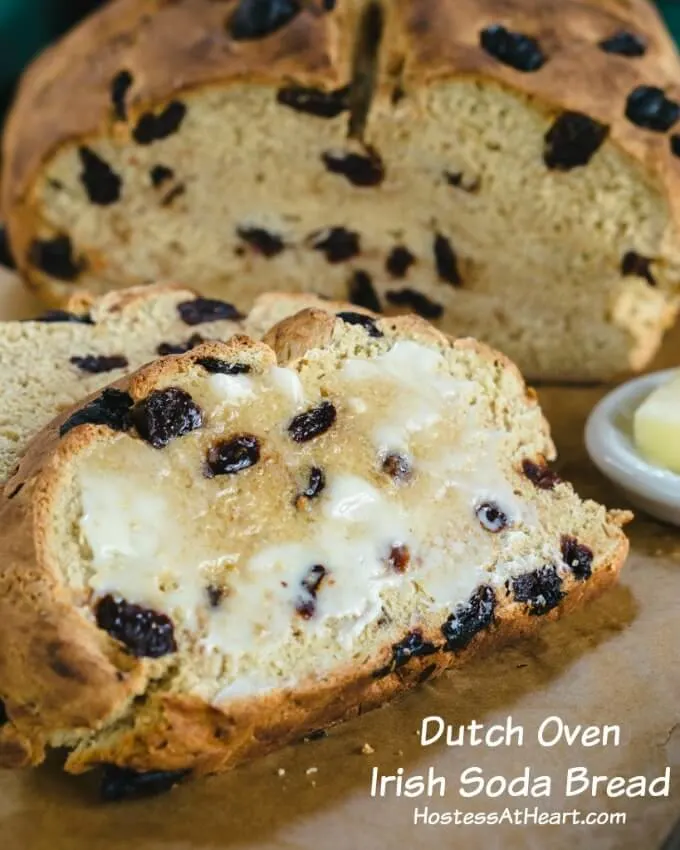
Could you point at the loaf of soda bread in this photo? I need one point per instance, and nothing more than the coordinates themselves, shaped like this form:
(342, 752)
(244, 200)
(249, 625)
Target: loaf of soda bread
(512, 171)
(50, 362)
(245, 543)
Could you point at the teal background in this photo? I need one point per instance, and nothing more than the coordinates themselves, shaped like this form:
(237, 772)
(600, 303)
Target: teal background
(28, 25)
(671, 11)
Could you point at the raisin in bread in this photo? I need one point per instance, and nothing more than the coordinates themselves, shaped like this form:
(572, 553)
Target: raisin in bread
(224, 552)
(209, 141)
(51, 362)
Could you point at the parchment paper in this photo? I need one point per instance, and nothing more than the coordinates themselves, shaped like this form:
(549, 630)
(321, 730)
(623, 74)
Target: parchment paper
(616, 662)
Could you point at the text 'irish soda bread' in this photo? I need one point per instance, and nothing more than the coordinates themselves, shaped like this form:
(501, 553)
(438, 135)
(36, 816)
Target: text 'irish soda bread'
(209, 142)
(51, 362)
(224, 553)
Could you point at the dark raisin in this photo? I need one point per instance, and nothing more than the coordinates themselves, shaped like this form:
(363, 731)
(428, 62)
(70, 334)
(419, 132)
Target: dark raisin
(541, 589)
(426, 673)
(259, 18)
(222, 367)
(166, 348)
(648, 107)
(675, 145)
(215, 595)
(160, 174)
(95, 364)
(412, 646)
(12, 494)
(120, 86)
(328, 5)
(6, 258)
(164, 415)
(176, 192)
(491, 516)
(572, 141)
(312, 423)
(446, 261)
(470, 618)
(323, 104)
(398, 94)
(154, 127)
(397, 466)
(121, 783)
(145, 633)
(3, 714)
(112, 408)
(306, 605)
(315, 483)
(337, 243)
(519, 51)
(399, 261)
(624, 43)
(457, 179)
(265, 243)
(577, 557)
(316, 735)
(359, 169)
(101, 182)
(399, 558)
(55, 258)
(540, 475)
(200, 310)
(56, 316)
(416, 301)
(636, 265)
(365, 322)
(234, 455)
(362, 292)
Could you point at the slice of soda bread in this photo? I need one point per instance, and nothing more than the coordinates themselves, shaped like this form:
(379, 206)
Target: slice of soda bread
(51, 362)
(250, 541)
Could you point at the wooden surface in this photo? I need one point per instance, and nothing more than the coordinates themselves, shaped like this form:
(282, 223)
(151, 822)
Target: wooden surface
(616, 662)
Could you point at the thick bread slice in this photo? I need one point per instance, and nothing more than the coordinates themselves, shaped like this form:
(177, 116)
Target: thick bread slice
(49, 363)
(250, 551)
(209, 142)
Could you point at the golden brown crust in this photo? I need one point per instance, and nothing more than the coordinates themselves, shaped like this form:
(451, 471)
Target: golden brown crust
(68, 674)
(121, 300)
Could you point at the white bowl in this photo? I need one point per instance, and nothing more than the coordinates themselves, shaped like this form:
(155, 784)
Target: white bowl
(609, 441)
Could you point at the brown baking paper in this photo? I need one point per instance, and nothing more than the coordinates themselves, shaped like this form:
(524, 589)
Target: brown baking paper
(616, 663)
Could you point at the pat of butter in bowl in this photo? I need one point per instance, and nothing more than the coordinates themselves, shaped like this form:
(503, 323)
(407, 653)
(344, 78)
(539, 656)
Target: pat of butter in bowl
(656, 425)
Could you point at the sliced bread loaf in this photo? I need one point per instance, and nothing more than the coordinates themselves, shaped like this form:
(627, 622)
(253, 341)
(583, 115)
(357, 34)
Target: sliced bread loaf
(49, 363)
(208, 142)
(223, 553)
